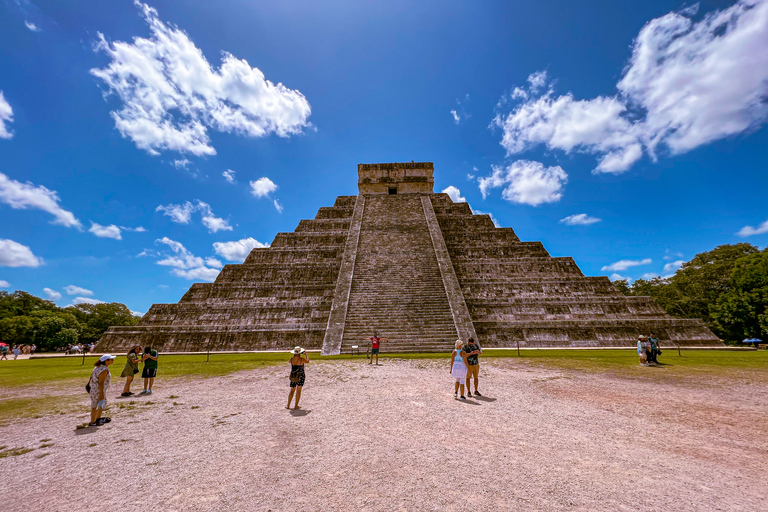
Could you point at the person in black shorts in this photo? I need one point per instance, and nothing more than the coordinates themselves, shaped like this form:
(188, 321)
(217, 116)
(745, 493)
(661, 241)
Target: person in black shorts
(150, 369)
(375, 345)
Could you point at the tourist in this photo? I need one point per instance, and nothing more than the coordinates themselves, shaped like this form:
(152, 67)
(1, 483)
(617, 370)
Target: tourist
(131, 369)
(655, 349)
(375, 345)
(3, 352)
(459, 368)
(15, 352)
(641, 351)
(32, 349)
(298, 360)
(472, 350)
(150, 369)
(100, 377)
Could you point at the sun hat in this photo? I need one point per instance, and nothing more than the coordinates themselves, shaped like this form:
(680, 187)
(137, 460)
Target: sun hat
(297, 350)
(107, 356)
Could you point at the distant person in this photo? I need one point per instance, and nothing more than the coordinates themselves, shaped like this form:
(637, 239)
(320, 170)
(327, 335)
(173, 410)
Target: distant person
(100, 377)
(459, 368)
(472, 349)
(150, 369)
(32, 349)
(131, 369)
(655, 348)
(4, 352)
(15, 352)
(375, 345)
(297, 377)
(641, 351)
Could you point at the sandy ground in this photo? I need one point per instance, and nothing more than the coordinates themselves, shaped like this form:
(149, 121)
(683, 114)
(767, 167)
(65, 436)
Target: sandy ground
(393, 438)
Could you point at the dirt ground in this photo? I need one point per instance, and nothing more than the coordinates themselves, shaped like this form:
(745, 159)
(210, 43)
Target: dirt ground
(392, 437)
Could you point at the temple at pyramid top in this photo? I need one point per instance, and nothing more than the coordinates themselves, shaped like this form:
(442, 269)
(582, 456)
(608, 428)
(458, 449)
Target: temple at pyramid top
(396, 178)
(411, 265)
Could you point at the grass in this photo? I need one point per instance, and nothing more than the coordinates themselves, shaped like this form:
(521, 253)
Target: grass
(33, 376)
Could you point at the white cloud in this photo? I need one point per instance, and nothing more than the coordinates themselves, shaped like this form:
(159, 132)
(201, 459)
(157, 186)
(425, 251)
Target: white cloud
(86, 300)
(237, 250)
(671, 268)
(172, 96)
(210, 221)
(752, 231)
(138, 229)
(229, 175)
(51, 294)
(455, 194)
(4, 284)
(456, 117)
(625, 264)
(581, 219)
(262, 187)
(213, 262)
(537, 80)
(617, 277)
(110, 231)
(187, 265)
(76, 290)
(470, 177)
(136, 313)
(669, 255)
(650, 275)
(179, 213)
(181, 164)
(686, 84)
(526, 182)
(21, 196)
(13, 254)
(278, 206)
(6, 116)
(31, 26)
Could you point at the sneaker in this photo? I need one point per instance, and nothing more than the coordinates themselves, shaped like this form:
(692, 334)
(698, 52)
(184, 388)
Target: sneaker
(149, 391)
(126, 394)
(463, 397)
(456, 395)
(477, 393)
(143, 392)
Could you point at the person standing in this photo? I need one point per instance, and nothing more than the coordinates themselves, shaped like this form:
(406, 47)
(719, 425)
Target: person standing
(3, 352)
(472, 350)
(375, 345)
(15, 352)
(459, 368)
(131, 369)
(150, 369)
(641, 351)
(100, 377)
(32, 349)
(297, 377)
(655, 350)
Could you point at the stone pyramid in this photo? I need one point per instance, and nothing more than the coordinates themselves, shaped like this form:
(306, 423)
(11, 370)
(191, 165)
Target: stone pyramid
(412, 265)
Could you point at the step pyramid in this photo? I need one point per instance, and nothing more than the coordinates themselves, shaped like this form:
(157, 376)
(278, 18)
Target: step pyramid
(415, 267)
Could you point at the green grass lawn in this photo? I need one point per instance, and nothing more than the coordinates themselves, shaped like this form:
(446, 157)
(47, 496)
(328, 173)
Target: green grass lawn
(44, 385)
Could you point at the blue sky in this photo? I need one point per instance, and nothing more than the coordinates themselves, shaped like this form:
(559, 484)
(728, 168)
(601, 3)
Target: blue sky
(142, 146)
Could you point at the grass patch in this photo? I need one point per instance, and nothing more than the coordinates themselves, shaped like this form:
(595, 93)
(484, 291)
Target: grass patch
(13, 452)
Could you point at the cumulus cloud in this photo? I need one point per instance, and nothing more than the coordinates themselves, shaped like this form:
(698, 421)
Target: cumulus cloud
(179, 213)
(77, 290)
(187, 265)
(51, 294)
(110, 231)
(229, 175)
(671, 268)
(4, 284)
(22, 196)
(237, 250)
(686, 84)
(618, 277)
(262, 187)
(182, 163)
(210, 221)
(455, 194)
(493, 219)
(6, 116)
(14, 254)
(182, 214)
(526, 182)
(581, 219)
(625, 264)
(86, 300)
(31, 26)
(752, 231)
(171, 96)
(138, 229)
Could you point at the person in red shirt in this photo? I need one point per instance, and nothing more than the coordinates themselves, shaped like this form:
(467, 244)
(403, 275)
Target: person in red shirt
(375, 343)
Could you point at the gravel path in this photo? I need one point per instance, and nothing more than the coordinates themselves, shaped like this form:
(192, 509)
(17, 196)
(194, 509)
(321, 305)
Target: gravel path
(393, 438)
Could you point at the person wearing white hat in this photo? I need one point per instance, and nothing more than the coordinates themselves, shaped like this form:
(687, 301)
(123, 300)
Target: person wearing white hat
(298, 360)
(99, 384)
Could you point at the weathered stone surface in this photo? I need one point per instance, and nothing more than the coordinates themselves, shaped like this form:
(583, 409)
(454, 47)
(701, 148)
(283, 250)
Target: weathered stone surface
(412, 265)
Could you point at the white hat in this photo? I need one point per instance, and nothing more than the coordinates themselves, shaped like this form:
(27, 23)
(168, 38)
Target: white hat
(297, 350)
(107, 356)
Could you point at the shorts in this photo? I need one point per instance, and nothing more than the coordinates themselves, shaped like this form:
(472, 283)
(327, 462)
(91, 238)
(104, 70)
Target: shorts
(473, 370)
(374, 351)
(149, 373)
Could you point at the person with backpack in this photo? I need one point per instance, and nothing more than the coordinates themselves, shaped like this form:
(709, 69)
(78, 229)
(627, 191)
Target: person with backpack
(472, 350)
(150, 369)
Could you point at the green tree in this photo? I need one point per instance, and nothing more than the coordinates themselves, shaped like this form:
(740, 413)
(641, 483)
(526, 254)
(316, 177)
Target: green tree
(97, 318)
(64, 338)
(742, 310)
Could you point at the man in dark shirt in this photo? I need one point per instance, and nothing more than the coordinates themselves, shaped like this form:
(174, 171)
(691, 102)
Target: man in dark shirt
(473, 365)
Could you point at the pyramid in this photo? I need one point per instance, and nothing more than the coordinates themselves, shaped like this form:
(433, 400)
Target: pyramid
(411, 265)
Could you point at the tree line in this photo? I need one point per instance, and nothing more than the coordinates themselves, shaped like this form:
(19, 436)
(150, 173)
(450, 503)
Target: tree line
(726, 287)
(26, 320)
